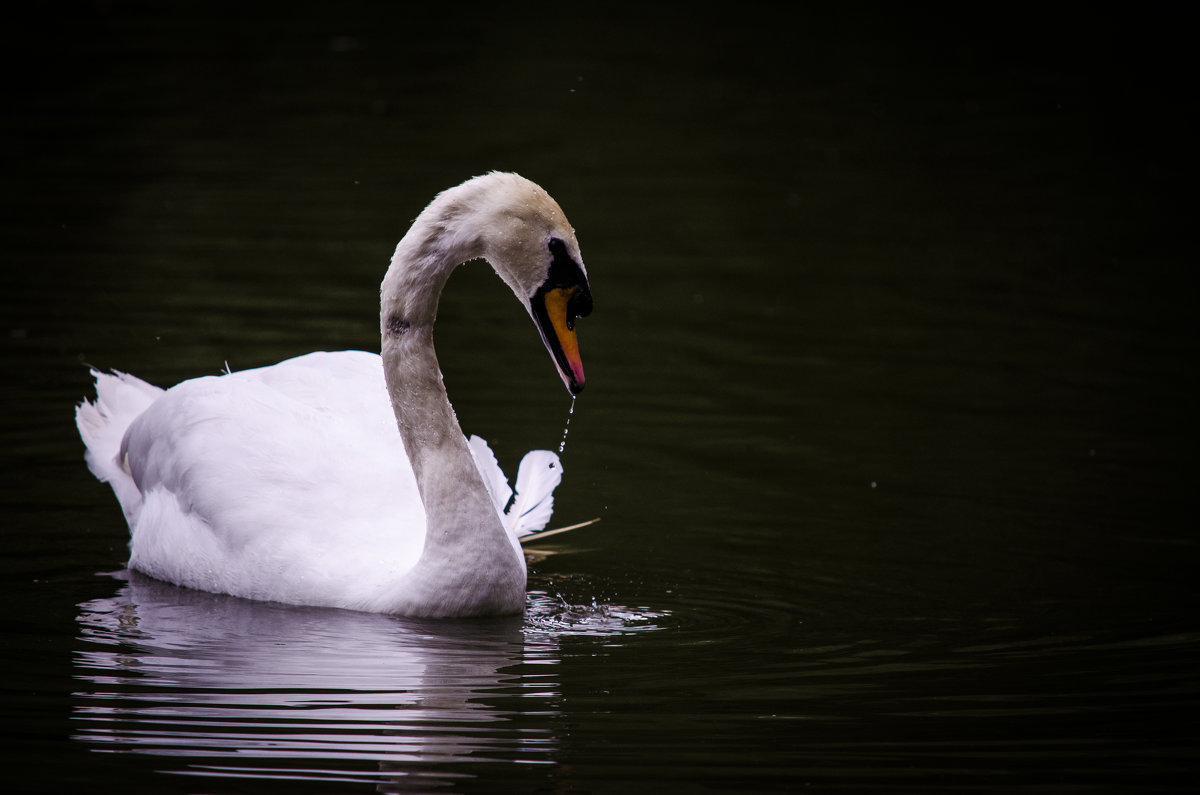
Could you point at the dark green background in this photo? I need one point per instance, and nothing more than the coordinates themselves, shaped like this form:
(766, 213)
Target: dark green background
(890, 415)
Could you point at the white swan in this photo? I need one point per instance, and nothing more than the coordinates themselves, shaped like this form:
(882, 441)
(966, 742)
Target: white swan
(289, 483)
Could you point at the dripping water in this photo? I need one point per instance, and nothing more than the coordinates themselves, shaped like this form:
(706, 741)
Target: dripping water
(567, 428)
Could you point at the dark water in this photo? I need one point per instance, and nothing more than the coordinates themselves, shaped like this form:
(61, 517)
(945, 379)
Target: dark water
(889, 420)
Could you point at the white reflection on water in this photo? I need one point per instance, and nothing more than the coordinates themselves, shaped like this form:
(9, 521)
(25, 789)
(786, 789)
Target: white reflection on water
(221, 686)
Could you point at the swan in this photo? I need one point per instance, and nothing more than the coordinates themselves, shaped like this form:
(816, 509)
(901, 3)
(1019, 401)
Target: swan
(342, 479)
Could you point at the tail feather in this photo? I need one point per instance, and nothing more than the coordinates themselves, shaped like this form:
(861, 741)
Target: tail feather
(120, 399)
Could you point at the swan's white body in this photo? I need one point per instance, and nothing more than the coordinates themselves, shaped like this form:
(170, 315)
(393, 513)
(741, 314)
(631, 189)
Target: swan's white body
(342, 479)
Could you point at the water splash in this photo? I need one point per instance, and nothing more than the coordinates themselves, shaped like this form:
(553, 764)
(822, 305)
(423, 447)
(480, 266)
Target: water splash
(567, 428)
(551, 614)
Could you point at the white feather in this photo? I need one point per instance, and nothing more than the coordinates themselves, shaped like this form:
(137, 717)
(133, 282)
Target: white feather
(537, 477)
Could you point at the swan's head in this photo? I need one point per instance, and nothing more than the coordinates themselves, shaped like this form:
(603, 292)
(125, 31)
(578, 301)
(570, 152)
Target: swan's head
(513, 224)
(561, 297)
(527, 239)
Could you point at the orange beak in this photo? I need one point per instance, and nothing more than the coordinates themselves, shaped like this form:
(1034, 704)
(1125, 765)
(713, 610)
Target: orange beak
(555, 312)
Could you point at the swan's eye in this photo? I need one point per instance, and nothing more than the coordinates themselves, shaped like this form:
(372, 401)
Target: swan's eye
(564, 270)
(565, 274)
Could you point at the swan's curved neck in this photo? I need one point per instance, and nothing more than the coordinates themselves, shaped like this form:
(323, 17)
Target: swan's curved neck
(469, 563)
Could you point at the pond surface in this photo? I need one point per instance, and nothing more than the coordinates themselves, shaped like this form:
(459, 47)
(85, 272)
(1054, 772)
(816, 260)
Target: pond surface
(889, 422)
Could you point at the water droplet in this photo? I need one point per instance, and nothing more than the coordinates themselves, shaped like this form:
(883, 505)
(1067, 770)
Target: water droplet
(567, 428)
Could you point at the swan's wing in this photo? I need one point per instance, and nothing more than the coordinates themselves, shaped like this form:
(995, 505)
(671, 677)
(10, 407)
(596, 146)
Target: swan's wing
(493, 476)
(287, 483)
(539, 474)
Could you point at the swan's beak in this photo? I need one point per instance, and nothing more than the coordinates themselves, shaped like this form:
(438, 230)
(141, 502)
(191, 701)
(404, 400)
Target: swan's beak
(555, 312)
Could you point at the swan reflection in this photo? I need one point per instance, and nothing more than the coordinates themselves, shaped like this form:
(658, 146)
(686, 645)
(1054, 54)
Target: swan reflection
(223, 686)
